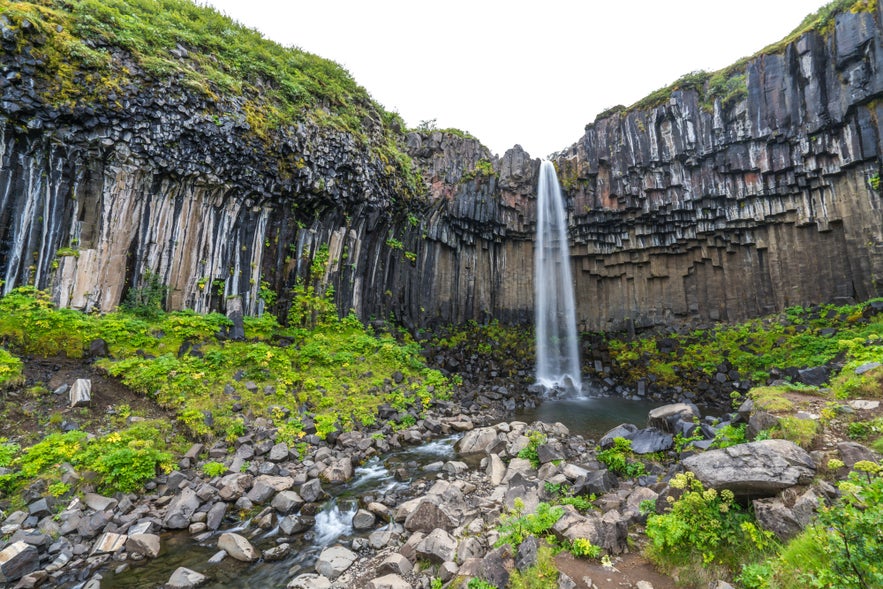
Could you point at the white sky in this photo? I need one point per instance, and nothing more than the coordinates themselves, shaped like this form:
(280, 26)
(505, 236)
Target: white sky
(515, 72)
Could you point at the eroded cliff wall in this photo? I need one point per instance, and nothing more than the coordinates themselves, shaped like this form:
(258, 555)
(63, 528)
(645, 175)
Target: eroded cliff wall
(688, 211)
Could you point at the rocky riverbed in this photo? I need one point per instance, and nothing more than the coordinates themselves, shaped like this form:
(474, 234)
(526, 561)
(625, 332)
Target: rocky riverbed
(441, 522)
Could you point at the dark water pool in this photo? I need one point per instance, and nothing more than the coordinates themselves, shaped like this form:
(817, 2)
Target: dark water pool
(590, 417)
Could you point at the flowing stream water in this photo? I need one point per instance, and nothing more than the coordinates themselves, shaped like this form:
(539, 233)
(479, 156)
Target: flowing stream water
(557, 342)
(333, 522)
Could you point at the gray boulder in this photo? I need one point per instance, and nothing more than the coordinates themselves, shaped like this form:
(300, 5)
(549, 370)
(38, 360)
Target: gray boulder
(146, 544)
(666, 417)
(181, 509)
(184, 578)
(482, 440)
(334, 560)
(17, 560)
(390, 581)
(81, 392)
(238, 547)
(438, 546)
(757, 469)
(309, 581)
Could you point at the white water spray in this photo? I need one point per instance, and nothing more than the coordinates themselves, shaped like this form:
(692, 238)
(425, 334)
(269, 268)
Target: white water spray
(557, 343)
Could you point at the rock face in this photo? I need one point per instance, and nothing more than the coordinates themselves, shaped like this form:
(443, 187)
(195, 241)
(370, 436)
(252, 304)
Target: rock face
(692, 210)
(757, 469)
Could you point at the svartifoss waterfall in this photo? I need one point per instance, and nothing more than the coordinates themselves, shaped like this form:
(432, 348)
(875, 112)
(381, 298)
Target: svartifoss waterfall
(557, 343)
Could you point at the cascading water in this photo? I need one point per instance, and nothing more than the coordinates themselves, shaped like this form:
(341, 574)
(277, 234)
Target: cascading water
(557, 343)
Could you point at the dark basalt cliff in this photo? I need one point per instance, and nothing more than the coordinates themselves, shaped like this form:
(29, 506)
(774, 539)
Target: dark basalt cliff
(693, 210)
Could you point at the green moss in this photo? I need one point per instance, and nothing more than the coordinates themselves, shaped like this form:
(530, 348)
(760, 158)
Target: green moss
(80, 46)
(797, 430)
(772, 399)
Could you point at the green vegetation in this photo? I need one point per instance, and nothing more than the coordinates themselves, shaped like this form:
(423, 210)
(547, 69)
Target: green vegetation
(704, 534)
(619, 458)
(516, 526)
(529, 452)
(797, 337)
(508, 348)
(250, 79)
(482, 169)
(10, 370)
(331, 371)
(842, 550)
(122, 461)
(542, 575)
(730, 84)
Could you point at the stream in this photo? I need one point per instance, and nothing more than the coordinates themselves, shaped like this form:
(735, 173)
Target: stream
(374, 477)
(589, 417)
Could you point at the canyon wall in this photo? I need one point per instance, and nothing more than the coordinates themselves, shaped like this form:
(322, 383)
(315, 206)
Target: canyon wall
(689, 211)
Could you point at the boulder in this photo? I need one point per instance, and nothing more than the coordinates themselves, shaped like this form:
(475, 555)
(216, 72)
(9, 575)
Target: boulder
(438, 546)
(181, 509)
(496, 469)
(852, 452)
(286, 502)
(757, 469)
(395, 564)
(364, 520)
(650, 440)
(429, 515)
(17, 560)
(108, 543)
(334, 560)
(184, 578)
(81, 392)
(99, 502)
(339, 471)
(665, 418)
(477, 442)
(311, 491)
(623, 430)
(146, 544)
(309, 581)
(238, 547)
(389, 582)
(277, 552)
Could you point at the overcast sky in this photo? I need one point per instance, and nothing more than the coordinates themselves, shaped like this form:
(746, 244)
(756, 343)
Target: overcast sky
(514, 72)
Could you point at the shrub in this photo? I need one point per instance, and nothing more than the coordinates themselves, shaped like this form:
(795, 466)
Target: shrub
(542, 575)
(529, 452)
(842, 550)
(704, 527)
(516, 526)
(145, 299)
(10, 370)
(618, 459)
(213, 469)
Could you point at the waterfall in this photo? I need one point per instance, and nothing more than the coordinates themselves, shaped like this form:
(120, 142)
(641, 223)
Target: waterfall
(557, 342)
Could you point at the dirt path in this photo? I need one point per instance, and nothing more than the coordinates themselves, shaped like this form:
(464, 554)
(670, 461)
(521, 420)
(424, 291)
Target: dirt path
(627, 571)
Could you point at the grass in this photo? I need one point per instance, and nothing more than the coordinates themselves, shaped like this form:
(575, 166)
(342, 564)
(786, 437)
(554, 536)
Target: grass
(94, 52)
(10, 370)
(798, 337)
(328, 371)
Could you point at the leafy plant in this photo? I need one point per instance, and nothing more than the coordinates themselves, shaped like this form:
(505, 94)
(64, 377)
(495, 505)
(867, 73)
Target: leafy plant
(10, 370)
(213, 469)
(516, 525)
(476, 583)
(618, 459)
(529, 452)
(583, 548)
(730, 435)
(842, 550)
(704, 527)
